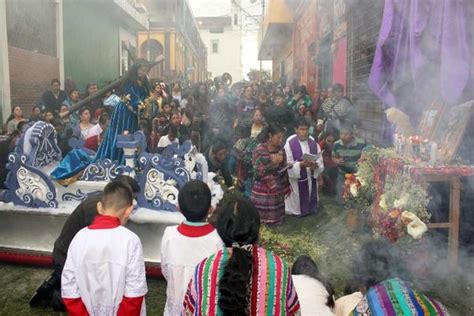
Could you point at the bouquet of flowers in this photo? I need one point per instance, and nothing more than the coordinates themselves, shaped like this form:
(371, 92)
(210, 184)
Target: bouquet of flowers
(359, 189)
(403, 209)
(352, 193)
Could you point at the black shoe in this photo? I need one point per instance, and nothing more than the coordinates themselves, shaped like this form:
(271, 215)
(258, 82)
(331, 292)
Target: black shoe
(57, 302)
(42, 297)
(44, 293)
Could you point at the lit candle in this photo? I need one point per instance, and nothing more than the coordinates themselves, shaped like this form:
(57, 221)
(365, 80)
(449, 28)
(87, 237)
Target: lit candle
(433, 153)
(397, 144)
(424, 148)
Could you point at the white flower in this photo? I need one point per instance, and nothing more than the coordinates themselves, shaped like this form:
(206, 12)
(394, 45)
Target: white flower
(383, 203)
(416, 228)
(354, 190)
(401, 202)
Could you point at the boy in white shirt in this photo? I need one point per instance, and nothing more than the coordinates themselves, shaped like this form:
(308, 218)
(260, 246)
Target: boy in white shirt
(187, 244)
(168, 139)
(104, 273)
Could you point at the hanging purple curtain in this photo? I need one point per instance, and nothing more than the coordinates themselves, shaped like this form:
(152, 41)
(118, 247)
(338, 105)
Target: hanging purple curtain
(422, 54)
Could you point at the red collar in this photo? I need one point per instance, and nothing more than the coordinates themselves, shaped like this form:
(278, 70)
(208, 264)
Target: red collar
(195, 231)
(104, 222)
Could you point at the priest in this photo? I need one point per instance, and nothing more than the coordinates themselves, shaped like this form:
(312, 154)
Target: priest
(303, 173)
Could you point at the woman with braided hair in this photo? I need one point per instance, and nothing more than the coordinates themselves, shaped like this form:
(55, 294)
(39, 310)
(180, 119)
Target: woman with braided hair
(242, 278)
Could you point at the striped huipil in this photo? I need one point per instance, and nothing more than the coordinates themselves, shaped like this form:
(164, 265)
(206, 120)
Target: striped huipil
(272, 291)
(394, 297)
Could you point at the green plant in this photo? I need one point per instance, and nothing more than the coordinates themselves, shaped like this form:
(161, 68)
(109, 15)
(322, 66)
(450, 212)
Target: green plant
(290, 247)
(402, 193)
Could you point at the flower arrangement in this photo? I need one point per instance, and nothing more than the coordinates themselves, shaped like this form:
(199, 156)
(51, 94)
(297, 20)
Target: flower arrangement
(355, 194)
(402, 209)
(359, 189)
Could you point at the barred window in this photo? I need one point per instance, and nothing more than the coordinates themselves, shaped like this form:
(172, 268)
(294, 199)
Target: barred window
(31, 25)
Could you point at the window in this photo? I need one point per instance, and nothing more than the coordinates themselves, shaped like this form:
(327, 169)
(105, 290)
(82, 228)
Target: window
(325, 65)
(236, 19)
(215, 46)
(216, 30)
(31, 25)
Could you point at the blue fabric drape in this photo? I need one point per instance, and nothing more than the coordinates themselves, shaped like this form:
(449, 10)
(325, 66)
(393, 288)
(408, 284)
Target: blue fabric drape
(75, 161)
(122, 120)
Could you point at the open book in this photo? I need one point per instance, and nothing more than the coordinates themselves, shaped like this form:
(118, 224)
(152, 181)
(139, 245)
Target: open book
(312, 157)
(306, 157)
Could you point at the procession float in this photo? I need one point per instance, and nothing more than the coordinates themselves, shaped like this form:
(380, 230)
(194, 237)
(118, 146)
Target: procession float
(37, 201)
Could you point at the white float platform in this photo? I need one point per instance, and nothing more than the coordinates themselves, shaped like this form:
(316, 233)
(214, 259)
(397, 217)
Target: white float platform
(35, 230)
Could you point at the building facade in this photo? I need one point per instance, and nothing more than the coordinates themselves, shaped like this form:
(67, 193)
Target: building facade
(363, 30)
(173, 34)
(306, 41)
(276, 39)
(100, 39)
(222, 36)
(31, 51)
(86, 41)
(319, 43)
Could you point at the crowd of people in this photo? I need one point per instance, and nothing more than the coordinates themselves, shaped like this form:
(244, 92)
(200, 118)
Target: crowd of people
(272, 142)
(245, 132)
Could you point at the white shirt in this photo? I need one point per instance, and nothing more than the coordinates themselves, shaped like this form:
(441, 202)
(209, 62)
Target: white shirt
(103, 266)
(312, 295)
(165, 141)
(86, 132)
(180, 254)
(95, 130)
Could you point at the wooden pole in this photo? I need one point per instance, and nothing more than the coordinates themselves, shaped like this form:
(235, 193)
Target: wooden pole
(107, 88)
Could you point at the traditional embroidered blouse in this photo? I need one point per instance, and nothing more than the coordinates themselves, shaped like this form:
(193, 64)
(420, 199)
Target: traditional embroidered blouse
(271, 292)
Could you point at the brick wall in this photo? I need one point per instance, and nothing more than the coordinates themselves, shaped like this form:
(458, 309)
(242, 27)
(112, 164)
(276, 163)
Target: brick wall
(30, 75)
(363, 29)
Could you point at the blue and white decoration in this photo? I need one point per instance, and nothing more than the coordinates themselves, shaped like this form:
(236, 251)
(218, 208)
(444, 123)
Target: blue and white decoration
(160, 176)
(40, 145)
(78, 196)
(104, 170)
(188, 153)
(27, 185)
(160, 181)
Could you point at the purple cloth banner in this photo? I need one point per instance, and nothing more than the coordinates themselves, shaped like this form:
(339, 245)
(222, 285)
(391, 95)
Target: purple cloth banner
(422, 55)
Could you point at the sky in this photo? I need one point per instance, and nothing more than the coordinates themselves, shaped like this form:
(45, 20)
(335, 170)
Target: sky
(250, 27)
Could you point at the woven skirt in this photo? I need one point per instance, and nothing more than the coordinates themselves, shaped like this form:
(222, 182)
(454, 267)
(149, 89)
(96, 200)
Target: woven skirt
(270, 206)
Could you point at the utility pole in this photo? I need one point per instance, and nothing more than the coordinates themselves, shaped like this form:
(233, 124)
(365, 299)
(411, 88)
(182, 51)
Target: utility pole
(148, 54)
(246, 12)
(263, 14)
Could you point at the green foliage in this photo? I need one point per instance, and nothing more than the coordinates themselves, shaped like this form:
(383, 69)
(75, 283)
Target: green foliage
(366, 171)
(401, 192)
(255, 74)
(290, 247)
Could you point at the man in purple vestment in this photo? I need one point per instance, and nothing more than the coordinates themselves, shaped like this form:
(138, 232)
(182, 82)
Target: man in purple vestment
(303, 199)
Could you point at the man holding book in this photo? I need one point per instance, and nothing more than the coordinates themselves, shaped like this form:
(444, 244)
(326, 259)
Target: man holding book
(305, 165)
